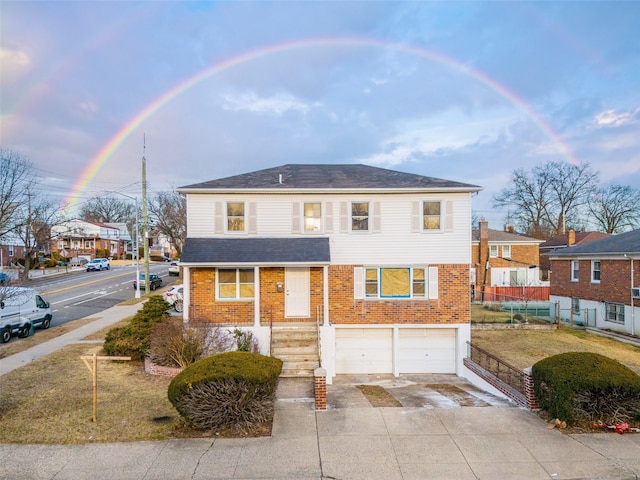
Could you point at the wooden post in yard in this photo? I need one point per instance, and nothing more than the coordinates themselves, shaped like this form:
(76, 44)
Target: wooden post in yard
(93, 368)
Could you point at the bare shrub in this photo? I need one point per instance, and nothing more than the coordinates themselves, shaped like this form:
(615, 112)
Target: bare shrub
(172, 344)
(232, 403)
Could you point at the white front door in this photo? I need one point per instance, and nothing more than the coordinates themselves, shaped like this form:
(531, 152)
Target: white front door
(296, 288)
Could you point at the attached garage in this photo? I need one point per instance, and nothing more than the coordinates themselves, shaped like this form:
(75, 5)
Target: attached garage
(426, 350)
(364, 350)
(417, 350)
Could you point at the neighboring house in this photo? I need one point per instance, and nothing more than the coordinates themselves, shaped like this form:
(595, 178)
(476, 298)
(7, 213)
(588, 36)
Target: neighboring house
(598, 283)
(11, 249)
(377, 259)
(564, 240)
(77, 238)
(503, 258)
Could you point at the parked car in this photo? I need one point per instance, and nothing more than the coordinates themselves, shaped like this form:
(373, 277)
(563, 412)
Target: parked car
(173, 297)
(155, 281)
(22, 309)
(174, 268)
(98, 264)
(4, 278)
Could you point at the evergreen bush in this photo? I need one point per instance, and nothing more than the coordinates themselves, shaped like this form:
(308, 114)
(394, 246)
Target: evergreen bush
(132, 340)
(584, 386)
(233, 390)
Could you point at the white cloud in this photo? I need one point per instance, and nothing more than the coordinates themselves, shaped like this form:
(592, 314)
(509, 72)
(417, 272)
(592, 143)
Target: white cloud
(611, 118)
(10, 57)
(275, 105)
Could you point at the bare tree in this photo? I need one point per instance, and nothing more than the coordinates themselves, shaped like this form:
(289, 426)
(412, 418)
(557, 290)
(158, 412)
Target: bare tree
(549, 198)
(168, 211)
(103, 209)
(616, 208)
(35, 219)
(526, 199)
(16, 177)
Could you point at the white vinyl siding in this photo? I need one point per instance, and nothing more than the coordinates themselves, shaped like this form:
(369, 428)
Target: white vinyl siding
(391, 240)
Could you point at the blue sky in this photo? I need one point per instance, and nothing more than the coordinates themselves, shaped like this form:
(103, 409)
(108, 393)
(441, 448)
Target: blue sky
(465, 91)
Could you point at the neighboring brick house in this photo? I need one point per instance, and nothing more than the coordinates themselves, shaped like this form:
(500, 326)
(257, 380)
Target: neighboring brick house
(78, 238)
(597, 283)
(502, 258)
(564, 240)
(11, 249)
(377, 259)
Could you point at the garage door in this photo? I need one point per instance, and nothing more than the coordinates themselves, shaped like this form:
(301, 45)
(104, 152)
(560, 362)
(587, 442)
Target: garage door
(424, 350)
(364, 350)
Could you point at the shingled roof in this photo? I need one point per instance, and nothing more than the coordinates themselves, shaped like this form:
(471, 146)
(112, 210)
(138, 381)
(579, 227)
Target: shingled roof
(329, 176)
(502, 236)
(628, 242)
(254, 251)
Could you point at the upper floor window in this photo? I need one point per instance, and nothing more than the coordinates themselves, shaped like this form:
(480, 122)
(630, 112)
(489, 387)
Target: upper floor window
(235, 283)
(88, 244)
(431, 215)
(615, 312)
(506, 251)
(312, 217)
(595, 271)
(575, 270)
(10, 248)
(360, 216)
(395, 283)
(493, 251)
(235, 217)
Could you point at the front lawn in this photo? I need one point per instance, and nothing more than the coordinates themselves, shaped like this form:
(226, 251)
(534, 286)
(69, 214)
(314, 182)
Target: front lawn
(523, 348)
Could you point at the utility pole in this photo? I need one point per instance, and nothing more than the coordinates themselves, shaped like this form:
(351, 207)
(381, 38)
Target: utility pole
(145, 218)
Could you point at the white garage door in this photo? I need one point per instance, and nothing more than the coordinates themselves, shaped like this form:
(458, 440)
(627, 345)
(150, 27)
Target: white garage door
(364, 350)
(425, 350)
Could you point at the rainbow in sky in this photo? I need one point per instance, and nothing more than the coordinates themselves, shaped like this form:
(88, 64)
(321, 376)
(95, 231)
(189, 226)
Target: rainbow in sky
(98, 161)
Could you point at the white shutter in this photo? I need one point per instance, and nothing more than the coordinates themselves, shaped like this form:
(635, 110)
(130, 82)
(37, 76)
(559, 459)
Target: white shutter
(218, 218)
(253, 218)
(344, 217)
(358, 282)
(376, 217)
(295, 218)
(433, 283)
(328, 217)
(448, 216)
(416, 217)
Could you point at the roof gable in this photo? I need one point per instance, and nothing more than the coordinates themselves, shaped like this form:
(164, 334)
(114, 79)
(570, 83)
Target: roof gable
(329, 176)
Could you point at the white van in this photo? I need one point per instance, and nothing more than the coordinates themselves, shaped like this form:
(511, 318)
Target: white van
(21, 309)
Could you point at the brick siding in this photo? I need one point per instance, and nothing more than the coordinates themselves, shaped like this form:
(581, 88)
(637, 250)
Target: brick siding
(614, 283)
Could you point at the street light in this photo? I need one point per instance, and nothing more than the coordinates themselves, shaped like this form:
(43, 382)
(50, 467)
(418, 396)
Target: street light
(137, 247)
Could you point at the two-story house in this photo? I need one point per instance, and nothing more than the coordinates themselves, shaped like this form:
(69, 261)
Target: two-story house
(598, 283)
(375, 260)
(78, 238)
(503, 258)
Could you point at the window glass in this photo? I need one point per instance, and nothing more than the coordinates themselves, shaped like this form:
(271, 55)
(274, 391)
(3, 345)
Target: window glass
(493, 251)
(418, 282)
(371, 282)
(235, 217)
(595, 271)
(312, 217)
(575, 270)
(236, 283)
(360, 216)
(615, 312)
(506, 251)
(431, 215)
(575, 305)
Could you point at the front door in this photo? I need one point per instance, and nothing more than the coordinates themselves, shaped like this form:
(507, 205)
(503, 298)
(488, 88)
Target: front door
(296, 287)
